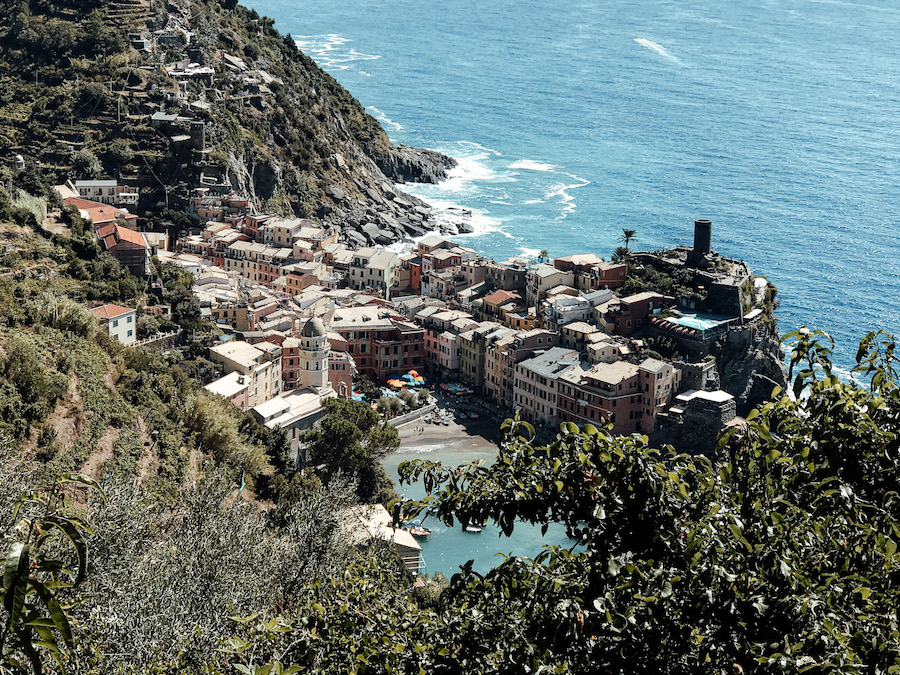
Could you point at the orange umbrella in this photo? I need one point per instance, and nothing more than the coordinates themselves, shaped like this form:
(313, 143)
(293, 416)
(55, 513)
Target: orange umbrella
(414, 373)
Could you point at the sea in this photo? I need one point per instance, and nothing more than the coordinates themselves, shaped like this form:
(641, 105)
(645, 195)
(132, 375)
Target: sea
(776, 119)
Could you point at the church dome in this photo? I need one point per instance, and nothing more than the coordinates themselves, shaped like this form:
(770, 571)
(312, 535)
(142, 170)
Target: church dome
(314, 328)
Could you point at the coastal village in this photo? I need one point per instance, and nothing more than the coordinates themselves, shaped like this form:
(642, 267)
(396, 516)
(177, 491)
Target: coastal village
(371, 297)
(369, 284)
(249, 384)
(302, 311)
(371, 292)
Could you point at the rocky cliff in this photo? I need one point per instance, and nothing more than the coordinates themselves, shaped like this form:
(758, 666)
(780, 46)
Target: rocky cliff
(751, 364)
(171, 95)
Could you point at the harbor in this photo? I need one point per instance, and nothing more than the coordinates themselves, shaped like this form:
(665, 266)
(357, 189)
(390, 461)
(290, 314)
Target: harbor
(463, 439)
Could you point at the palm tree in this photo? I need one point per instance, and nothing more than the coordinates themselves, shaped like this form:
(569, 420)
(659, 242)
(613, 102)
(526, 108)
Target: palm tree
(543, 254)
(620, 254)
(628, 236)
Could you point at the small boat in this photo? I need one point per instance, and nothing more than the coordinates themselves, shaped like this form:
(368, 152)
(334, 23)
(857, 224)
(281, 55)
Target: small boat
(473, 415)
(446, 421)
(427, 420)
(473, 528)
(419, 531)
(436, 420)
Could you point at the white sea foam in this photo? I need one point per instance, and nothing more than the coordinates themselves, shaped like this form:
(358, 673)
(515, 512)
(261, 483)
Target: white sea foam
(421, 449)
(467, 180)
(328, 51)
(365, 74)
(529, 252)
(463, 178)
(477, 146)
(561, 192)
(450, 213)
(534, 201)
(384, 119)
(531, 165)
(658, 48)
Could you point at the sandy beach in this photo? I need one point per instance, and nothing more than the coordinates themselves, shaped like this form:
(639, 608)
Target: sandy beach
(462, 436)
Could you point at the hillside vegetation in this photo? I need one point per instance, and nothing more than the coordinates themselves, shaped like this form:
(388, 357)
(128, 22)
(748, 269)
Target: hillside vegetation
(780, 556)
(76, 98)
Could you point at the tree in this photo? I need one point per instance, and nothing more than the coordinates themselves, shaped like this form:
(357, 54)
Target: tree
(86, 165)
(351, 438)
(627, 237)
(363, 384)
(542, 255)
(778, 557)
(620, 254)
(215, 423)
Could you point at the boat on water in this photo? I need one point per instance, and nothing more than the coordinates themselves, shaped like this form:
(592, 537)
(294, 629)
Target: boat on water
(419, 531)
(473, 528)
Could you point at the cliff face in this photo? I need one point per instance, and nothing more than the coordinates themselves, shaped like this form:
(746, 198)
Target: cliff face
(751, 365)
(91, 88)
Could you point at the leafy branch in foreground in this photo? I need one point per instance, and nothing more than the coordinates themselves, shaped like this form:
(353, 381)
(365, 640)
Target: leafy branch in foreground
(779, 557)
(37, 580)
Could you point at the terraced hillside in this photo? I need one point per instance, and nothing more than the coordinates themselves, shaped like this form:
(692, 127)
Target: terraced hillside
(73, 400)
(241, 109)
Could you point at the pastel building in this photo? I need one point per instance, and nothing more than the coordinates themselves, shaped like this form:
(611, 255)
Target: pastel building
(628, 395)
(260, 364)
(536, 384)
(119, 322)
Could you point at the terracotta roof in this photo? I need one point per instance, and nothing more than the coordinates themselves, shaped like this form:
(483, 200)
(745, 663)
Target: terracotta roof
(124, 234)
(104, 231)
(111, 311)
(497, 297)
(112, 234)
(97, 212)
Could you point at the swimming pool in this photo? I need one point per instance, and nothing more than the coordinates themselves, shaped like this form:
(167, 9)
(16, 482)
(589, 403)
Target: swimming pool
(694, 322)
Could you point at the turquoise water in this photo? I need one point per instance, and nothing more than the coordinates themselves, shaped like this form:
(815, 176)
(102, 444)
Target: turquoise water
(447, 548)
(776, 119)
(693, 322)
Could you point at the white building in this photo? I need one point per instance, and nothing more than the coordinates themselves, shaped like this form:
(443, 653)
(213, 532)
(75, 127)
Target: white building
(106, 192)
(363, 524)
(295, 413)
(120, 322)
(373, 268)
(541, 278)
(313, 352)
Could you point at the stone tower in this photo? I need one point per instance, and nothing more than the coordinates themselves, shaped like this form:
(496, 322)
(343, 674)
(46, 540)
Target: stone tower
(702, 237)
(314, 352)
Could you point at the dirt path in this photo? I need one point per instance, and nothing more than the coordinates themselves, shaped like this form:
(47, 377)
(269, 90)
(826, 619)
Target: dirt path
(67, 419)
(148, 464)
(101, 454)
